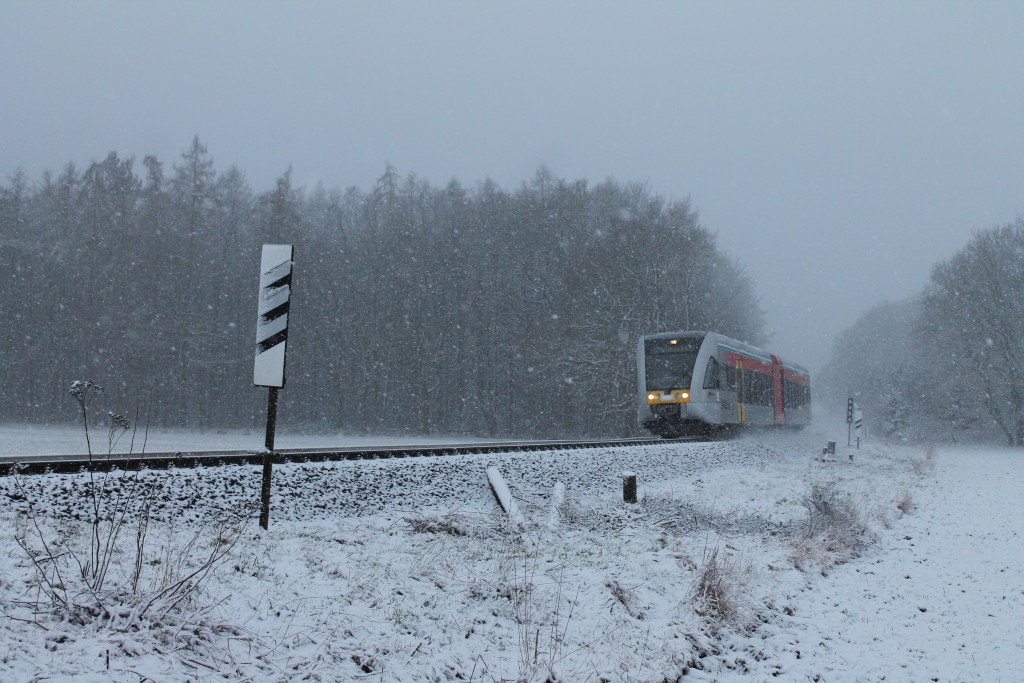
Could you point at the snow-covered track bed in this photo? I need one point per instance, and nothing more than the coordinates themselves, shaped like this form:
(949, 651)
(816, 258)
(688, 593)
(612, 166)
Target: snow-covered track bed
(306, 491)
(71, 463)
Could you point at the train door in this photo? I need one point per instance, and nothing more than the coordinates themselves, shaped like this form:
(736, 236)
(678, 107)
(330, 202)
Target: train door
(727, 393)
(711, 392)
(778, 399)
(741, 392)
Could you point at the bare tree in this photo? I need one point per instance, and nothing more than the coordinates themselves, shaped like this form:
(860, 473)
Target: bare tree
(973, 324)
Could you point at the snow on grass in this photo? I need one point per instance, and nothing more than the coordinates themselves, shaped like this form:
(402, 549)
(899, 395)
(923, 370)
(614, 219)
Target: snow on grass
(405, 570)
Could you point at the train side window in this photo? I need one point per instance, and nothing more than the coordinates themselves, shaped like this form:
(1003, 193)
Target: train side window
(797, 395)
(730, 378)
(711, 375)
(764, 390)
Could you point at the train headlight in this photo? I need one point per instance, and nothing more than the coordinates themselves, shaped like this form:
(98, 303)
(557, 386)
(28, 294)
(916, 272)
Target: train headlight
(671, 396)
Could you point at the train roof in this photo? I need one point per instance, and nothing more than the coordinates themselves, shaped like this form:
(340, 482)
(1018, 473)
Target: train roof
(728, 341)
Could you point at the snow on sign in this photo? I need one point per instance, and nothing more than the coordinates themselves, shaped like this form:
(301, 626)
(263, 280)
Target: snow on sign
(272, 319)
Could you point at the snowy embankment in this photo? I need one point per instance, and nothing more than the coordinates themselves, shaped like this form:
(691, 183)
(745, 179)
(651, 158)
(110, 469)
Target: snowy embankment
(939, 598)
(405, 570)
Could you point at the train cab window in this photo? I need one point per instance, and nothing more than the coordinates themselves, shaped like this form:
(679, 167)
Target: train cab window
(730, 378)
(711, 375)
(669, 363)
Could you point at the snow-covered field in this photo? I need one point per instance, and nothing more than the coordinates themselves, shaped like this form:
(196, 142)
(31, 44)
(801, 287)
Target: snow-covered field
(751, 560)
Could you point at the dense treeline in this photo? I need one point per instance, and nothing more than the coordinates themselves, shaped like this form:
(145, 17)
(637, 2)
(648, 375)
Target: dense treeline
(948, 364)
(421, 308)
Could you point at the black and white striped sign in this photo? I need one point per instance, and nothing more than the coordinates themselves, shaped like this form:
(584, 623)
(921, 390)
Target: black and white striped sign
(272, 319)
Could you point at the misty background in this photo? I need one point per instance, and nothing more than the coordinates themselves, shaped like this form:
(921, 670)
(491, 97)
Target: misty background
(834, 152)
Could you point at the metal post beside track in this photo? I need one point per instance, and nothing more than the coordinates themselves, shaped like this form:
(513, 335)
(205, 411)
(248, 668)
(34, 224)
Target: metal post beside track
(271, 347)
(268, 458)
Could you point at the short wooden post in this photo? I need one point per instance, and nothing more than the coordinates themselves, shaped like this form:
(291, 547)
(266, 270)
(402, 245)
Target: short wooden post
(629, 487)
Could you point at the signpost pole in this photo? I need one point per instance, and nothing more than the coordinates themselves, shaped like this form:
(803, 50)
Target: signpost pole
(858, 422)
(849, 421)
(268, 458)
(271, 345)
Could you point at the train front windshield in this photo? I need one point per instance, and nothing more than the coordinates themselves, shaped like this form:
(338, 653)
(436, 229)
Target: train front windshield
(668, 363)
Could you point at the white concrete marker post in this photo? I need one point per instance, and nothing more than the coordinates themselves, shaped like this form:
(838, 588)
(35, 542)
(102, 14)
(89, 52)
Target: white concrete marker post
(271, 345)
(504, 496)
(557, 498)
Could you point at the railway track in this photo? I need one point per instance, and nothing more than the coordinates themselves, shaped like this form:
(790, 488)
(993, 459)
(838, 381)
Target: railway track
(71, 463)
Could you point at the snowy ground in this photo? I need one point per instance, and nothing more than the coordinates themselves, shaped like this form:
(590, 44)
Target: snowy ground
(941, 596)
(405, 571)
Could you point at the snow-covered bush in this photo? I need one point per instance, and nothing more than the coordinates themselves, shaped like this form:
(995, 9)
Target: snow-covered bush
(721, 588)
(924, 466)
(835, 532)
(102, 566)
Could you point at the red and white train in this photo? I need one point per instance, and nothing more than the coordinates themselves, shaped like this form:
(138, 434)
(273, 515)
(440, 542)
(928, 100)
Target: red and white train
(702, 383)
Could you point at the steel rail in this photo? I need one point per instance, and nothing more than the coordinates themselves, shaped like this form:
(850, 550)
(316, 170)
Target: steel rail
(72, 463)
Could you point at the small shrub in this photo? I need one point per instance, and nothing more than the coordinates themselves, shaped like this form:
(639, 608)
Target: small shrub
(626, 597)
(924, 466)
(540, 603)
(103, 568)
(881, 515)
(720, 588)
(834, 533)
(827, 509)
(905, 504)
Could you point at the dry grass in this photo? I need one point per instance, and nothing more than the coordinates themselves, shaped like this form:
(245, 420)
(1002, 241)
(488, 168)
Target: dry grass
(447, 524)
(835, 532)
(924, 466)
(720, 589)
(102, 568)
(627, 597)
(905, 503)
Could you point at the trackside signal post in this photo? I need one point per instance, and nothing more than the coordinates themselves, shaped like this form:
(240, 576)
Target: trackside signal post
(854, 422)
(271, 345)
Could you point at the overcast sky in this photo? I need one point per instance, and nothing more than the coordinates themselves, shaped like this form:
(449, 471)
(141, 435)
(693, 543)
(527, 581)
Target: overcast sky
(838, 150)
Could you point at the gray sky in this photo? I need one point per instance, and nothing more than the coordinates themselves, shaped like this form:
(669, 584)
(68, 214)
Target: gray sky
(837, 149)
